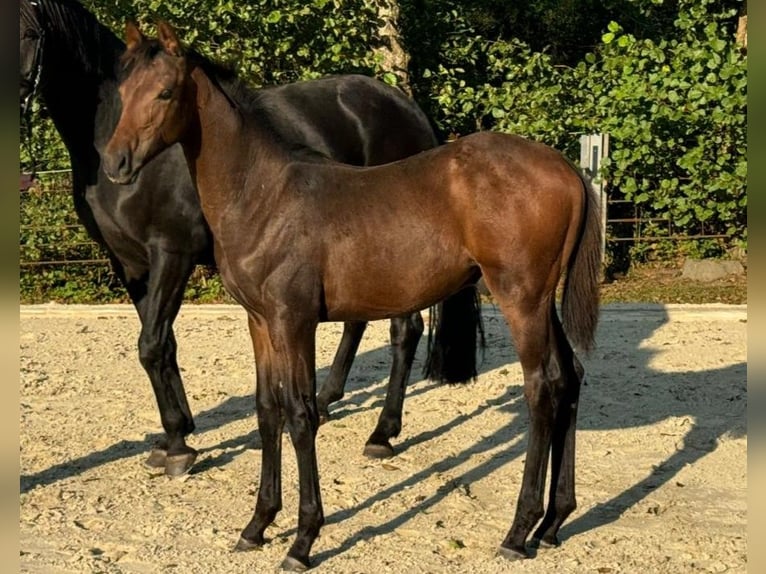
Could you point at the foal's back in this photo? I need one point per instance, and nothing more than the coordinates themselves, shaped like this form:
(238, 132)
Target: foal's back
(458, 208)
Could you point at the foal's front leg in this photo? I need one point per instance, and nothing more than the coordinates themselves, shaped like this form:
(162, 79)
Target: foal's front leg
(270, 412)
(302, 417)
(285, 356)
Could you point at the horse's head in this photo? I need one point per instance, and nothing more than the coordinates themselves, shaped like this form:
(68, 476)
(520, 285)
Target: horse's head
(31, 36)
(154, 89)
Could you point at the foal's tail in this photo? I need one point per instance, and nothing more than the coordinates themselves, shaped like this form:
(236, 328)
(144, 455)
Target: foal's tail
(580, 301)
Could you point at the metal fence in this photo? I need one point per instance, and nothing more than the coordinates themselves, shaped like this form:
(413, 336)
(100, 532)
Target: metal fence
(51, 235)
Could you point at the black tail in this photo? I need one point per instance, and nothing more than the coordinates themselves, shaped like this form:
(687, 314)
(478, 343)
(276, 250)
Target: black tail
(452, 338)
(580, 300)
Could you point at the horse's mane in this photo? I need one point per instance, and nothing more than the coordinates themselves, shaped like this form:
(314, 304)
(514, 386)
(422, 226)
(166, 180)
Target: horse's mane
(91, 43)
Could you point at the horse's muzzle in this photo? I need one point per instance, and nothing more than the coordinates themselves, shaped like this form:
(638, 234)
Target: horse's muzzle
(119, 167)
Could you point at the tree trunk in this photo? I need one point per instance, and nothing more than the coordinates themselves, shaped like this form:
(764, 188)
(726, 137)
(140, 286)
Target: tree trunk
(742, 32)
(394, 58)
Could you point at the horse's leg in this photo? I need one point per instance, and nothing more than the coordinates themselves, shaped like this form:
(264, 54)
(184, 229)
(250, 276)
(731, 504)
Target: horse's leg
(332, 388)
(270, 412)
(534, 338)
(561, 500)
(290, 392)
(405, 335)
(158, 309)
(302, 421)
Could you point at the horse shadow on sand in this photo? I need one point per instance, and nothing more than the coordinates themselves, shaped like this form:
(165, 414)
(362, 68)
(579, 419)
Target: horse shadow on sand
(712, 404)
(367, 379)
(712, 401)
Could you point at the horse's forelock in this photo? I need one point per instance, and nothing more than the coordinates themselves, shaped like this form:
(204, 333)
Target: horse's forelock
(140, 55)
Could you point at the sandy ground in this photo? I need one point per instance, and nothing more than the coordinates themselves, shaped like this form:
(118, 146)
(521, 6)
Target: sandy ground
(662, 452)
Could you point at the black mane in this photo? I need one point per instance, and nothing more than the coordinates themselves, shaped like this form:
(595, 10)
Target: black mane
(89, 42)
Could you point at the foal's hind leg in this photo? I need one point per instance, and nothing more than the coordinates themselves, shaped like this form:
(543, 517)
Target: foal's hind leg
(561, 500)
(332, 388)
(534, 338)
(405, 335)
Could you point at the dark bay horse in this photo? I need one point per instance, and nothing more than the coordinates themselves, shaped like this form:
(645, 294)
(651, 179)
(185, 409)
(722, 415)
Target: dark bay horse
(154, 231)
(301, 239)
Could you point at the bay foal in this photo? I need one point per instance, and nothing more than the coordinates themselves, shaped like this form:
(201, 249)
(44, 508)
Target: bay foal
(301, 239)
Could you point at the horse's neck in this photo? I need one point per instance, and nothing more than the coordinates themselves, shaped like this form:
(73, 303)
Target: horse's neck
(79, 89)
(229, 156)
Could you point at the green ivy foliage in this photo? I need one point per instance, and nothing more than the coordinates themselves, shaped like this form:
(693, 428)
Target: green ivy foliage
(675, 109)
(673, 97)
(677, 112)
(267, 41)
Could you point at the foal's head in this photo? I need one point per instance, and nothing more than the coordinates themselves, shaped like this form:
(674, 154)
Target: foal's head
(156, 94)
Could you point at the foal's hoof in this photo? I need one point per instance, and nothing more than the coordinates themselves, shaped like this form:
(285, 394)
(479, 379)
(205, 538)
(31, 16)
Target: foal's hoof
(324, 417)
(544, 542)
(373, 450)
(291, 564)
(511, 554)
(156, 458)
(180, 464)
(243, 545)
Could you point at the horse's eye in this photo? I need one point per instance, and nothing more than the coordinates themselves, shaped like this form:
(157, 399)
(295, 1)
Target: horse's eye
(165, 94)
(31, 35)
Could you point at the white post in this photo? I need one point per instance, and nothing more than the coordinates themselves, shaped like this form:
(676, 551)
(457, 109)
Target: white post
(593, 149)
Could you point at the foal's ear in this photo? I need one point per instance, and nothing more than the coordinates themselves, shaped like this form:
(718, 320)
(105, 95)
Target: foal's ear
(133, 36)
(168, 39)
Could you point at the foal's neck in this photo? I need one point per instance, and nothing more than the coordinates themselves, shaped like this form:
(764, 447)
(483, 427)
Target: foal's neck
(229, 156)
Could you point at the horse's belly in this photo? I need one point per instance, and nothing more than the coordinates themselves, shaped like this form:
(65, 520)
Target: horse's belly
(384, 287)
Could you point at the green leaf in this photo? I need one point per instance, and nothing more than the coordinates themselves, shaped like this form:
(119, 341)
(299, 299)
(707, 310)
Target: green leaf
(390, 78)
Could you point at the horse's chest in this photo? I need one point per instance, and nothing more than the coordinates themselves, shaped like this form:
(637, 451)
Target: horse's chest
(118, 236)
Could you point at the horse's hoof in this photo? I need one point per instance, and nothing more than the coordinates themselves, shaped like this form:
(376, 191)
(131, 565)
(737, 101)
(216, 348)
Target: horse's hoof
(243, 545)
(156, 458)
(511, 554)
(180, 464)
(544, 542)
(373, 450)
(291, 564)
(324, 417)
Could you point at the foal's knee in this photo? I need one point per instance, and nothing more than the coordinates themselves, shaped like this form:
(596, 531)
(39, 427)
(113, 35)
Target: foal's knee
(302, 418)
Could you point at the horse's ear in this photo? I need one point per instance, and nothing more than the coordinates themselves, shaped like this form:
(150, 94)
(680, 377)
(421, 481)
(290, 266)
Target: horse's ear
(168, 38)
(133, 36)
